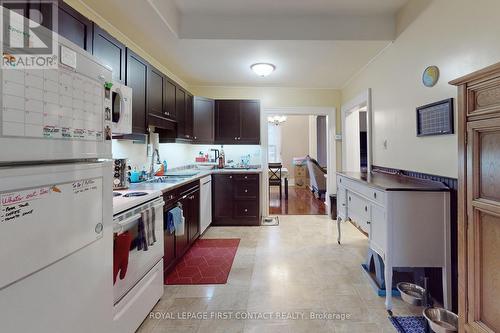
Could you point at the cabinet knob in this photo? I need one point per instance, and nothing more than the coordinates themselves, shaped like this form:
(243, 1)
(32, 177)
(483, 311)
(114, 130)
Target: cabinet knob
(246, 177)
(246, 210)
(246, 191)
(349, 198)
(236, 138)
(195, 138)
(368, 222)
(230, 177)
(366, 208)
(375, 195)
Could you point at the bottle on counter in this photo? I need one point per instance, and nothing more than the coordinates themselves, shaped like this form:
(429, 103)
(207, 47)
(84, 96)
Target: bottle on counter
(222, 158)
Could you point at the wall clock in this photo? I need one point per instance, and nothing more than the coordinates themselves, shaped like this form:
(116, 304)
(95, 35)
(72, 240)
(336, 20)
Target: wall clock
(430, 76)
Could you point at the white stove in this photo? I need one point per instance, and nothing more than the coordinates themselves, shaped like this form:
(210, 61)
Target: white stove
(126, 199)
(139, 285)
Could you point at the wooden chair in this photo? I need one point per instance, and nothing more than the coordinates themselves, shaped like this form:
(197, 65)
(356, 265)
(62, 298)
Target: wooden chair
(275, 176)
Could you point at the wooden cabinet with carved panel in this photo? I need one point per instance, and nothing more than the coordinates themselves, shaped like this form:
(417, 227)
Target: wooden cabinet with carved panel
(479, 200)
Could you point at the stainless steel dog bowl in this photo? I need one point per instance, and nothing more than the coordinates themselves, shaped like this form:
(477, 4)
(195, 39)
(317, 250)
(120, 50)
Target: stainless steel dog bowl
(441, 320)
(411, 293)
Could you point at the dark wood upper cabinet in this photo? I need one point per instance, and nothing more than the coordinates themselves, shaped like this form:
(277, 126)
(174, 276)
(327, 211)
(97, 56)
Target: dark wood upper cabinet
(184, 114)
(137, 79)
(74, 26)
(33, 10)
(110, 51)
(227, 121)
(189, 117)
(250, 122)
(203, 120)
(237, 121)
(158, 114)
(156, 92)
(170, 104)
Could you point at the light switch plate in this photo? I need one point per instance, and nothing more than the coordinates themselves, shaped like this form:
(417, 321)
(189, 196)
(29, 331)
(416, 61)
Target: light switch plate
(68, 57)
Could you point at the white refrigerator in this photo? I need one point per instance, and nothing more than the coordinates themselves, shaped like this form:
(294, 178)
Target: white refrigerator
(56, 197)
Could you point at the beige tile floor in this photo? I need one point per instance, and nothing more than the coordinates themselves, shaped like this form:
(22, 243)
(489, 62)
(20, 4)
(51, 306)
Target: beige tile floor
(296, 267)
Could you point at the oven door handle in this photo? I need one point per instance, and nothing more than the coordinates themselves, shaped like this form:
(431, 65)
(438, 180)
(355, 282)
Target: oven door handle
(160, 204)
(120, 226)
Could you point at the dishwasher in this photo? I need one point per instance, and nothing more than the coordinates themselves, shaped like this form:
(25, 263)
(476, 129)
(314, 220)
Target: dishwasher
(205, 203)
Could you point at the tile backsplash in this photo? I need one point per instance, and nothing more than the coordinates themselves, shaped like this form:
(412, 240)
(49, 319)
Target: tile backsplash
(180, 154)
(232, 152)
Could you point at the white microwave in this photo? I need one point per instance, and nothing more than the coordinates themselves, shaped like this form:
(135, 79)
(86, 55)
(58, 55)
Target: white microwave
(121, 112)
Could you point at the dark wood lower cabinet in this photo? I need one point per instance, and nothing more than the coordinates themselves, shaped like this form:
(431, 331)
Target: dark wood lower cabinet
(175, 246)
(236, 199)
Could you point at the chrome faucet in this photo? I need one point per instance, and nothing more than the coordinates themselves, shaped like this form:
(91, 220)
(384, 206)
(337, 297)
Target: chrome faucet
(152, 167)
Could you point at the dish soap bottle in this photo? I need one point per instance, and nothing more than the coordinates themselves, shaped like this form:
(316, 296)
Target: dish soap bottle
(222, 158)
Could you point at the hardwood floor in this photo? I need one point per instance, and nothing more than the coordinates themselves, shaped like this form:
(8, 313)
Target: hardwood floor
(300, 202)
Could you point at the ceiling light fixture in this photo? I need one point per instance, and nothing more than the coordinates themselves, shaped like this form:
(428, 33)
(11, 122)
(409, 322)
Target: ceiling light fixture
(263, 69)
(276, 120)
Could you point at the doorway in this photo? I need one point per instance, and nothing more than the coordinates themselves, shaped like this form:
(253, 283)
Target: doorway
(295, 140)
(356, 134)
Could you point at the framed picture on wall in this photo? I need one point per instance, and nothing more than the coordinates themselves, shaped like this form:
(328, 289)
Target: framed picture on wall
(435, 118)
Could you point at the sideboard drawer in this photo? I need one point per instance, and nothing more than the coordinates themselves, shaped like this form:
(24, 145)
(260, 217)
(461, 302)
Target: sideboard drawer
(370, 193)
(358, 207)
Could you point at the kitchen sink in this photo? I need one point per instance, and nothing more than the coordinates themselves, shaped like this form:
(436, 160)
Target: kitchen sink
(182, 174)
(240, 167)
(166, 180)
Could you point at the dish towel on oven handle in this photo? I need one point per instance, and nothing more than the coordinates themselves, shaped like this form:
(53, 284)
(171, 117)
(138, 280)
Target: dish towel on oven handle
(146, 229)
(175, 221)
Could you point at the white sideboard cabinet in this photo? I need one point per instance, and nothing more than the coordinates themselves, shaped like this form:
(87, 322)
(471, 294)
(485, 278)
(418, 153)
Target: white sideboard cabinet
(407, 221)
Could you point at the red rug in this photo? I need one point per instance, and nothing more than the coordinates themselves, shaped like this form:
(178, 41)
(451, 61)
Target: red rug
(208, 261)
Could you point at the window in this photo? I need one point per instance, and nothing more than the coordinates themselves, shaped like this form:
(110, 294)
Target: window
(274, 143)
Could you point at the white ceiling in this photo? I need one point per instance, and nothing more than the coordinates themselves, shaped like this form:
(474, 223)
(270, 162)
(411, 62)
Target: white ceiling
(289, 7)
(311, 64)
(214, 42)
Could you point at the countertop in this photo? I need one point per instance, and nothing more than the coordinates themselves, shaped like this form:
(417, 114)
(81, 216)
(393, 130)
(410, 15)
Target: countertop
(389, 182)
(165, 187)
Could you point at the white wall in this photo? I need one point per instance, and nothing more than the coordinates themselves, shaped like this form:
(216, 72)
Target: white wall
(294, 140)
(313, 137)
(352, 154)
(459, 36)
